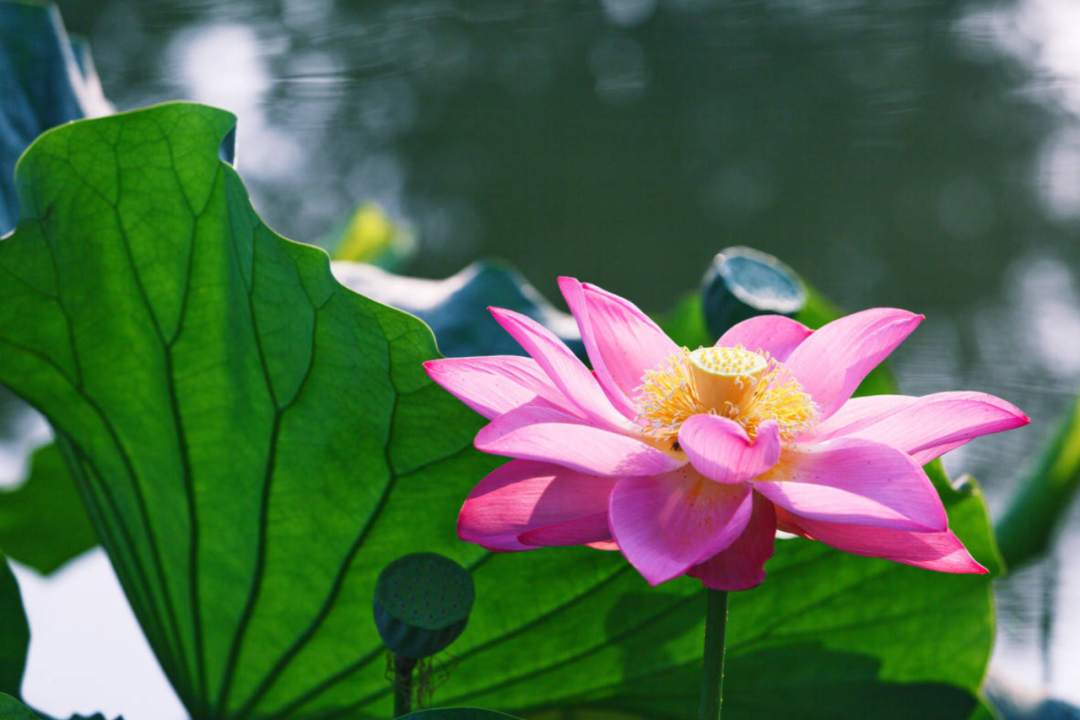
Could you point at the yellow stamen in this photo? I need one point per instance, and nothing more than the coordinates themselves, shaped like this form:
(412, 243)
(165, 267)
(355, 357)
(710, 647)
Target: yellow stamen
(778, 396)
(735, 383)
(668, 396)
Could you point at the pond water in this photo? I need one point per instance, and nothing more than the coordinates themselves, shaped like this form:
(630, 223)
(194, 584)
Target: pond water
(923, 154)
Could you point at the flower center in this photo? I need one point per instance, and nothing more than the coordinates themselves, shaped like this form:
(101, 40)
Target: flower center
(735, 383)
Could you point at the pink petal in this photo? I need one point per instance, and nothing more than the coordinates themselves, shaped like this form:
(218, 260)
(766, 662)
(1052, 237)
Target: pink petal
(934, 424)
(497, 384)
(856, 482)
(541, 433)
(775, 334)
(589, 530)
(575, 299)
(742, 565)
(666, 523)
(941, 551)
(563, 367)
(832, 362)
(522, 496)
(720, 449)
(858, 413)
(622, 342)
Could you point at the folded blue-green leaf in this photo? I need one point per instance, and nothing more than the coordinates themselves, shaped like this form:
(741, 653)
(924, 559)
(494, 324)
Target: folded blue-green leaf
(255, 442)
(742, 283)
(45, 81)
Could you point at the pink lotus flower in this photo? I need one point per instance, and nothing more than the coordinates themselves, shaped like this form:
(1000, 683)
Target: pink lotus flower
(688, 462)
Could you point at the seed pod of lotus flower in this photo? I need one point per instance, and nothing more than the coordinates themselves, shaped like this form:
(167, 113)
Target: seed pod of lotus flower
(422, 604)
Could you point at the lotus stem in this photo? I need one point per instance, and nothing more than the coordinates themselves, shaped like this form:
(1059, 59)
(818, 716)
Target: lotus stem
(712, 678)
(403, 670)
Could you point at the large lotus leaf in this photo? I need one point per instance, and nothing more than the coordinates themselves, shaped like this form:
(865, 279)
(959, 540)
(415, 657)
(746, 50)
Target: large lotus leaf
(255, 443)
(42, 523)
(240, 425)
(14, 633)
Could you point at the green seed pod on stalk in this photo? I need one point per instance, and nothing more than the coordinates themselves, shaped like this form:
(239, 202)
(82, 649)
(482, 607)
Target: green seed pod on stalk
(422, 604)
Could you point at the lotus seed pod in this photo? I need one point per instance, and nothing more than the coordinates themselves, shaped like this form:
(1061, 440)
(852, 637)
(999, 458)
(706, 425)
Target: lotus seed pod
(742, 283)
(422, 603)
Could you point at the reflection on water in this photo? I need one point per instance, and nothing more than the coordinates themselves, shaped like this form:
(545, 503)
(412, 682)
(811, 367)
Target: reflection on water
(1045, 298)
(223, 65)
(916, 154)
(1042, 34)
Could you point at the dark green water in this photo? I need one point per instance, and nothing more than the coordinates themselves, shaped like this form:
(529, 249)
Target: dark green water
(914, 153)
(890, 151)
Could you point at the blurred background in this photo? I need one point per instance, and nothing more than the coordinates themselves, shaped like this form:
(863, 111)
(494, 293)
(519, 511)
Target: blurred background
(923, 154)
